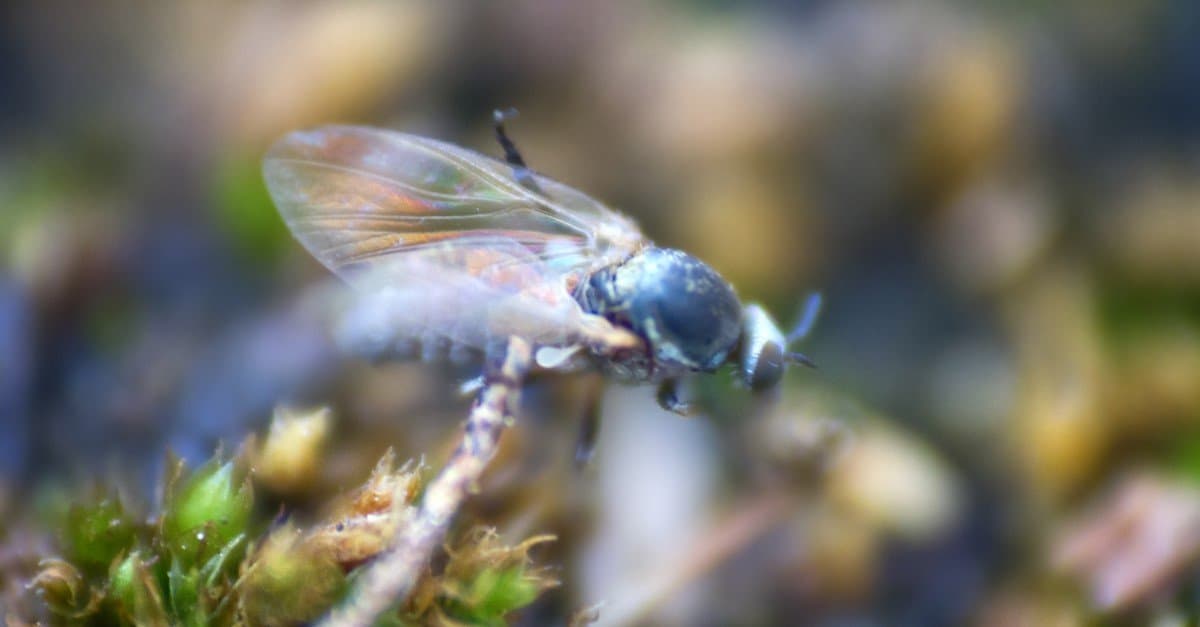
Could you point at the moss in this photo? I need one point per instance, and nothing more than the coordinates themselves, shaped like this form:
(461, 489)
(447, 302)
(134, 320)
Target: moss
(204, 559)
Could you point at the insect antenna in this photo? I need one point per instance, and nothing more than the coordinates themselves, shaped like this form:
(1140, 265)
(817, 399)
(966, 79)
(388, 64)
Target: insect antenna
(804, 325)
(512, 156)
(808, 318)
(802, 359)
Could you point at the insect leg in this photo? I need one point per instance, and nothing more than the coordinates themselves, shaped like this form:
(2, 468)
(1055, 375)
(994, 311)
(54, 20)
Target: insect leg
(512, 156)
(589, 425)
(604, 338)
(471, 386)
(668, 399)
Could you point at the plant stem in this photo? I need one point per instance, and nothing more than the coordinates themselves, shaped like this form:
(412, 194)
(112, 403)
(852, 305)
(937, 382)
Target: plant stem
(391, 577)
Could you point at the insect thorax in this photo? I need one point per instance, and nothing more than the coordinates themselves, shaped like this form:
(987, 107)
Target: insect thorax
(687, 315)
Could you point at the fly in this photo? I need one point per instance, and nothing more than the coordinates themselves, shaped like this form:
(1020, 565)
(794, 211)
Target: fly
(453, 252)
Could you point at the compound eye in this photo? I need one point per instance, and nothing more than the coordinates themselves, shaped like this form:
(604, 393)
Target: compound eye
(766, 371)
(764, 355)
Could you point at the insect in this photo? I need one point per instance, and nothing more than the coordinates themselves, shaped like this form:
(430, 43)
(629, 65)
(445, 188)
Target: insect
(453, 251)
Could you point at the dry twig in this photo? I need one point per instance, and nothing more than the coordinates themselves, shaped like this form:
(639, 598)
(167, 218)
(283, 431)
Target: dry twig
(391, 577)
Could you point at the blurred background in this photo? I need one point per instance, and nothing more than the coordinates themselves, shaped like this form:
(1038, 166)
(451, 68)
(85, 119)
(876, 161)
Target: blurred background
(999, 201)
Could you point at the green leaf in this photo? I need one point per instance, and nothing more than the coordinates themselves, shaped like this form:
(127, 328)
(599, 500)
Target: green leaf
(185, 596)
(206, 511)
(495, 593)
(94, 535)
(289, 581)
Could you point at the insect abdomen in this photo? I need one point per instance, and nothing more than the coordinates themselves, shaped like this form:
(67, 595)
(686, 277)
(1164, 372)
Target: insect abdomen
(428, 348)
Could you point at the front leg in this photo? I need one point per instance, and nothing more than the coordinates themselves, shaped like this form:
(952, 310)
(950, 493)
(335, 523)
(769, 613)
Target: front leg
(606, 339)
(668, 399)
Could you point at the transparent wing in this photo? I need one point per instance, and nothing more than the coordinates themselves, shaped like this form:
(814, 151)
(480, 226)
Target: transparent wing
(440, 240)
(356, 196)
(435, 305)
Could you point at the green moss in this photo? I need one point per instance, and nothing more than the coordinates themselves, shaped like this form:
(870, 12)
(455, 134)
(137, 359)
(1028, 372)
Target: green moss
(290, 581)
(200, 564)
(205, 512)
(95, 534)
(495, 593)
